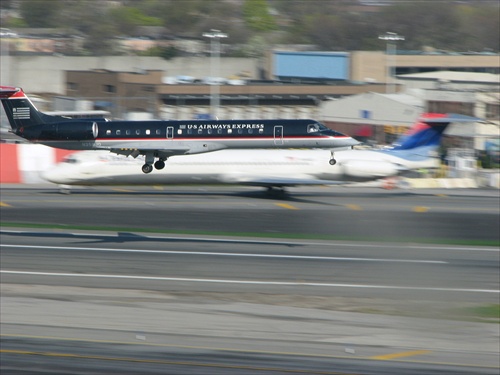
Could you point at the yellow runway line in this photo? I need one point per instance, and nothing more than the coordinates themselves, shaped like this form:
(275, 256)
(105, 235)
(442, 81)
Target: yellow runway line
(420, 209)
(287, 206)
(354, 207)
(400, 355)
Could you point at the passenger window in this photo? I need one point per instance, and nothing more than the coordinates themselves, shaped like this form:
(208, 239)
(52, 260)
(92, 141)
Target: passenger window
(118, 132)
(250, 131)
(261, 131)
(108, 132)
(158, 131)
(209, 131)
(148, 132)
(219, 131)
(229, 131)
(127, 132)
(190, 131)
(179, 131)
(138, 131)
(200, 131)
(240, 131)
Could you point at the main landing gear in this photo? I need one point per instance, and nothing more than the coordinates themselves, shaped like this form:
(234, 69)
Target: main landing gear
(148, 167)
(332, 160)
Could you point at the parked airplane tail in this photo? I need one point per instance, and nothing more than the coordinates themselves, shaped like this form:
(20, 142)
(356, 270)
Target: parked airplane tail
(428, 130)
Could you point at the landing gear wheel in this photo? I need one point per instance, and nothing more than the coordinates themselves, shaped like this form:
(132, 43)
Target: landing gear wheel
(160, 164)
(332, 160)
(147, 168)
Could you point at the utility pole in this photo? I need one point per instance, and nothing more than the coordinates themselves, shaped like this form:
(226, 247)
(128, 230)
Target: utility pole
(215, 36)
(391, 39)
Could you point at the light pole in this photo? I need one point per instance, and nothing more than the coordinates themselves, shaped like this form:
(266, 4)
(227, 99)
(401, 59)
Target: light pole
(215, 36)
(391, 39)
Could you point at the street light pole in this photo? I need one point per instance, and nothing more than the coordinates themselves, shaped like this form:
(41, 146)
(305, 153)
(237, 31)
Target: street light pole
(215, 36)
(391, 39)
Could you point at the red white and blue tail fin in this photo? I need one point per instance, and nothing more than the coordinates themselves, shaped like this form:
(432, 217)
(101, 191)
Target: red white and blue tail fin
(20, 111)
(428, 130)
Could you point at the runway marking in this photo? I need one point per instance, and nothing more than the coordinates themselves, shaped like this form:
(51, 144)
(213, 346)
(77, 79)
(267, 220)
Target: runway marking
(2, 204)
(247, 255)
(400, 354)
(287, 206)
(420, 209)
(354, 207)
(248, 282)
(122, 190)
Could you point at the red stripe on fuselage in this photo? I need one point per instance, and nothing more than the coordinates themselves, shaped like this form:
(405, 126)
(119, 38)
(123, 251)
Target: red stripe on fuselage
(221, 138)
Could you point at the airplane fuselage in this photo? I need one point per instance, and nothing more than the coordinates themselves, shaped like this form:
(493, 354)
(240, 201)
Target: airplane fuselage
(188, 137)
(245, 167)
(158, 140)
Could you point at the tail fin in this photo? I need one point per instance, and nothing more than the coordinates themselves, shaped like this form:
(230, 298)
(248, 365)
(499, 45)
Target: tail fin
(428, 130)
(20, 111)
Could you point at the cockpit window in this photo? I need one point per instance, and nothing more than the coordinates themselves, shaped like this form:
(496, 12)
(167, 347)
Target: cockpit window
(313, 128)
(70, 160)
(319, 127)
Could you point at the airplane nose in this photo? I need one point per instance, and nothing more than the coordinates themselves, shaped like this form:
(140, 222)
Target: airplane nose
(55, 176)
(353, 142)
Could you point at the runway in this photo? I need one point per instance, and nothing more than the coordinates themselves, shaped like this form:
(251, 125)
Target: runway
(223, 282)
(460, 216)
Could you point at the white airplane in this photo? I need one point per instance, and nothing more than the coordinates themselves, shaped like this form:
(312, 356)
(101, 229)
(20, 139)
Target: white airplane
(268, 168)
(159, 140)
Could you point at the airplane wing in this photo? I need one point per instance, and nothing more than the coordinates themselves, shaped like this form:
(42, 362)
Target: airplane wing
(162, 153)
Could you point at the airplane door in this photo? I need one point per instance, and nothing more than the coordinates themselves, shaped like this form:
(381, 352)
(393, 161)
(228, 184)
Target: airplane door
(278, 135)
(170, 132)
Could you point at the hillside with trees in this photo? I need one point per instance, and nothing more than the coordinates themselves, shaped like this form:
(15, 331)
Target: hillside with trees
(254, 25)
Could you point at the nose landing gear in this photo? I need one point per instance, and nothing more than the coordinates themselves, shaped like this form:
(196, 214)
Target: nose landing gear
(332, 160)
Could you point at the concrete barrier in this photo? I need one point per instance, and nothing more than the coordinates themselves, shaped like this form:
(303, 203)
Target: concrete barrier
(23, 163)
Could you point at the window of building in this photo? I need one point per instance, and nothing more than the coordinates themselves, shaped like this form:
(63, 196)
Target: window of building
(109, 88)
(493, 111)
(463, 108)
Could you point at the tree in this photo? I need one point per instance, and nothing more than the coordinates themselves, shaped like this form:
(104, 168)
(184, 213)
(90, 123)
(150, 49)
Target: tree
(257, 17)
(41, 13)
(126, 19)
